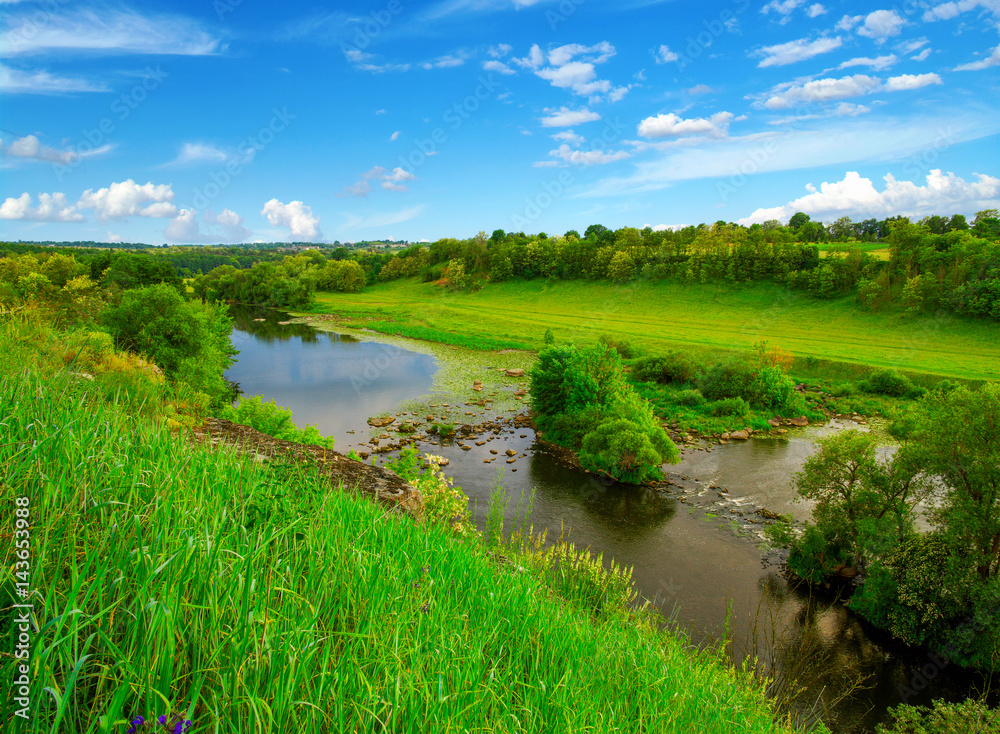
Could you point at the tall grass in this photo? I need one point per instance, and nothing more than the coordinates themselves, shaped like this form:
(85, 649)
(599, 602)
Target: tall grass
(249, 597)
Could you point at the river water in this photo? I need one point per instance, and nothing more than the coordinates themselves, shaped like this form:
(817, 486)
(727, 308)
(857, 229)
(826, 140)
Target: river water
(689, 558)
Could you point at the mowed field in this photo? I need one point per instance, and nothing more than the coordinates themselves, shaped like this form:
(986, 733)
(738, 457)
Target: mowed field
(706, 319)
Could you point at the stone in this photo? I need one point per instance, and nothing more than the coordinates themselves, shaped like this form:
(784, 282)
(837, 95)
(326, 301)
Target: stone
(382, 422)
(510, 452)
(493, 451)
(801, 421)
(511, 461)
(774, 422)
(466, 447)
(517, 372)
(739, 436)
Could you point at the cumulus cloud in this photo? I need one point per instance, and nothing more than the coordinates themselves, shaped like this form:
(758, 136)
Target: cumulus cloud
(30, 147)
(51, 208)
(664, 55)
(224, 227)
(700, 89)
(848, 22)
(497, 66)
(229, 223)
(573, 67)
(566, 117)
(394, 181)
(500, 50)
(129, 199)
(949, 10)
(568, 136)
(881, 25)
(672, 126)
(821, 90)
(294, 215)
(791, 52)
(816, 10)
(879, 63)
(858, 198)
(587, 157)
(910, 81)
(184, 227)
(992, 60)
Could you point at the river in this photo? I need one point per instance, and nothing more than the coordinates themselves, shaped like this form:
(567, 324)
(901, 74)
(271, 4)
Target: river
(695, 550)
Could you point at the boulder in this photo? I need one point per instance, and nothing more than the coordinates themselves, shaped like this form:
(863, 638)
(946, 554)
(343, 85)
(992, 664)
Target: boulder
(800, 421)
(774, 422)
(517, 372)
(739, 436)
(381, 422)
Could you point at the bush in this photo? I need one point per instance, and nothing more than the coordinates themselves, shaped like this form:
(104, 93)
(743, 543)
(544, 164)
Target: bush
(673, 367)
(274, 420)
(737, 407)
(762, 386)
(690, 398)
(619, 345)
(887, 382)
(626, 451)
(969, 716)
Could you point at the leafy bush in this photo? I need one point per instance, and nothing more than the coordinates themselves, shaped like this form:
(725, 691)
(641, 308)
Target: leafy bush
(274, 420)
(690, 398)
(731, 406)
(443, 503)
(624, 348)
(890, 382)
(816, 553)
(943, 718)
(673, 367)
(761, 385)
(627, 451)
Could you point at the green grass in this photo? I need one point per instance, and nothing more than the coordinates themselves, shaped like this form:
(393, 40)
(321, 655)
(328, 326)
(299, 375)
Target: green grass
(249, 597)
(707, 320)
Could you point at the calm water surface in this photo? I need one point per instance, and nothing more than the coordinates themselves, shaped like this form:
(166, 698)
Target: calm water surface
(688, 564)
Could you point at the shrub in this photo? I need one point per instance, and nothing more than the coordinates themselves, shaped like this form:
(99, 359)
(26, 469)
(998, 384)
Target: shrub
(731, 406)
(673, 367)
(887, 382)
(619, 345)
(690, 398)
(730, 379)
(624, 450)
(274, 420)
(943, 718)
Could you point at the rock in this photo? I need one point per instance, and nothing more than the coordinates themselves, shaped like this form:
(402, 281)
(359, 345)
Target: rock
(767, 514)
(801, 421)
(725, 436)
(510, 452)
(780, 431)
(739, 436)
(480, 443)
(518, 372)
(511, 461)
(381, 422)
(774, 422)
(800, 387)
(466, 448)
(444, 462)
(477, 385)
(493, 451)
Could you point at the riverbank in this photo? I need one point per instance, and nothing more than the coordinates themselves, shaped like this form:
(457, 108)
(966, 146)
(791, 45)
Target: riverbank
(338, 615)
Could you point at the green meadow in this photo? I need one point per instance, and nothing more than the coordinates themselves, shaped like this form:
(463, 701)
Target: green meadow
(832, 335)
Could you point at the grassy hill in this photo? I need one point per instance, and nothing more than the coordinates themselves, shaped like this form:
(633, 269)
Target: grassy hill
(706, 319)
(248, 596)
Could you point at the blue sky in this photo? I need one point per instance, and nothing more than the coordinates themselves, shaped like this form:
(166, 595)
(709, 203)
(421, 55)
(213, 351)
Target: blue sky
(236, 121)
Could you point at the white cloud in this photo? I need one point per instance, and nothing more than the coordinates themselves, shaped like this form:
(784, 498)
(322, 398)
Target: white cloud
(858, 198)
(444, 62)
(587, 157)
(700, 89)
(184, 227)
(380, 112)
(573, 67)
(294, 215)
(671, 125)
(822, 90)
(794, 51)
(51, 208)
(129, 199)
(394, 136)
(500, 50)
(664, 55)
(905, 82)
(816, 10)
(497, 66)
(565, 117)
(112, 237)
(992, 60)
(109, 32)
(364, 61)
(394, 181)
(781, 7)
(949, 10)
(192, 154)
(879, 63)
(908, 47)
(230, 223)
(882, 24)
(844, 109)
(30, 147)
(39, 81)
(922, 56)
(848, 22)
(568, 136)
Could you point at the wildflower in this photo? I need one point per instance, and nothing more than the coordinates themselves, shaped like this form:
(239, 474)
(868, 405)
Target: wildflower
(426, 607)
(136, 723)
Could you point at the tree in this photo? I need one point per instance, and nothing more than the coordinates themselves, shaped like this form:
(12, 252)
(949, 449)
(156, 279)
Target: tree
(958, 436)
(798, 219)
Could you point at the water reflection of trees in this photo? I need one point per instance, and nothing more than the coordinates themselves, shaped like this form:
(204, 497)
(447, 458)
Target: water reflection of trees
(266, 325)
(609, 504)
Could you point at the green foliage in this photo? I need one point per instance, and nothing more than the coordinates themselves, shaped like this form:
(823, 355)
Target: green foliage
(890, 382)
(549, 338)
(673, 367)
(190, 341)
(582, 401)
(690, 398)
(966, 717)
(270, 418)
(444, 504)
(761, 385)
(624, 348)
(737, 407)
